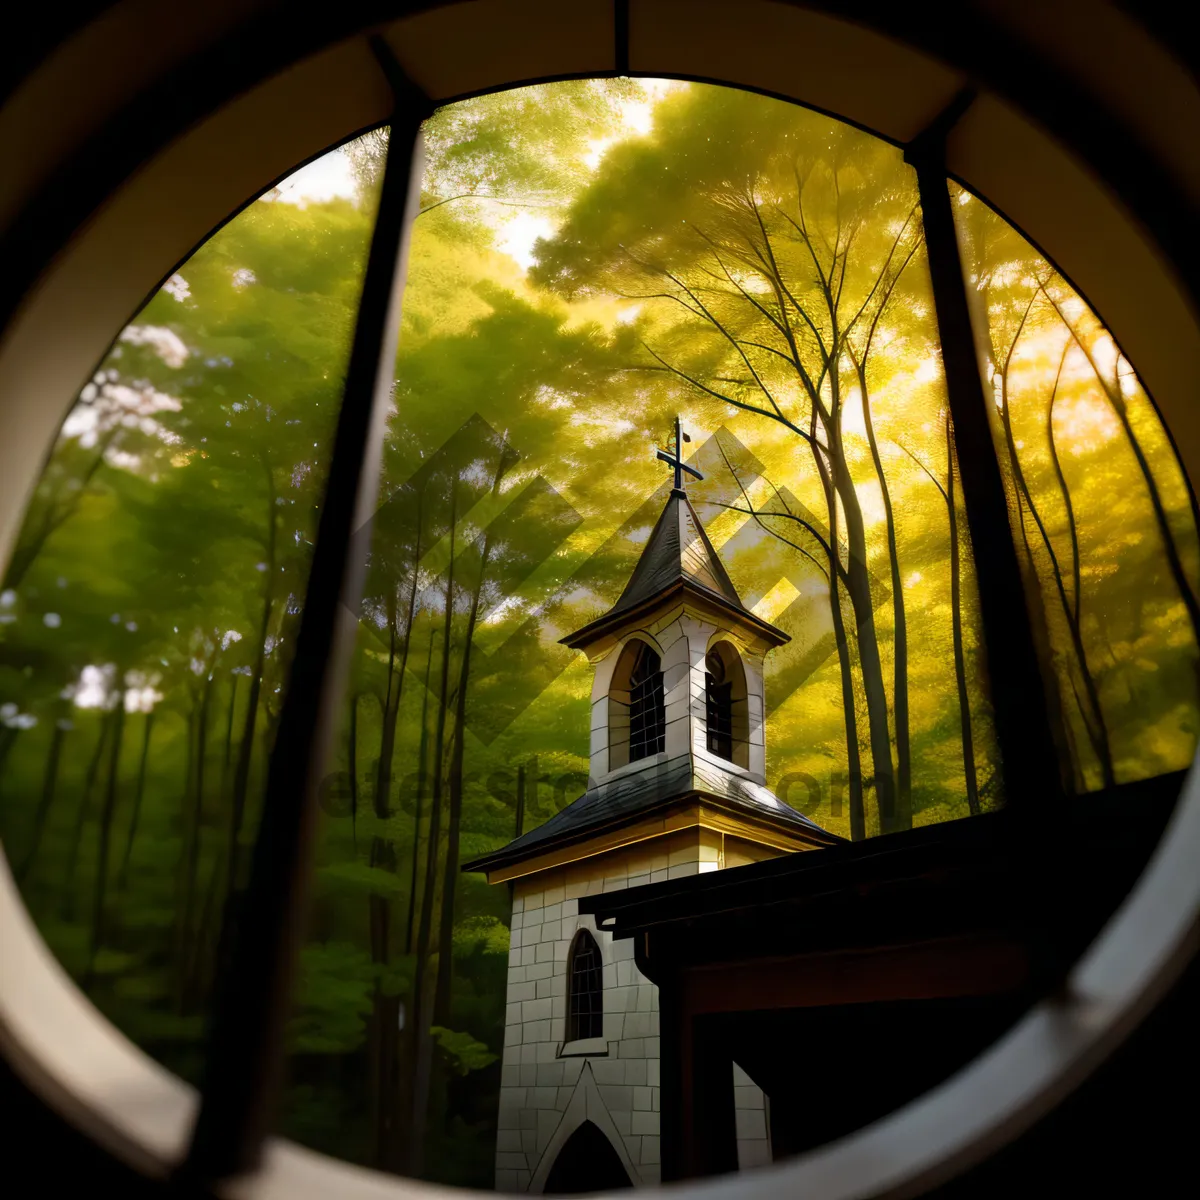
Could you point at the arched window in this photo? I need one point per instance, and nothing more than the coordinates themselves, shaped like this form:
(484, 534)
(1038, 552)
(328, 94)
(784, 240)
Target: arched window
(647, 715)
(725, 712)
(637, 720)
(585, 989)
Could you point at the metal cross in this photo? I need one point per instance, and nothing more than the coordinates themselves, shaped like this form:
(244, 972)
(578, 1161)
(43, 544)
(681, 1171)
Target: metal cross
(676, 460)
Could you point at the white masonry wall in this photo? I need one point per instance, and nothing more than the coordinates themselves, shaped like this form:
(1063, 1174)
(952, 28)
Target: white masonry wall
(753, 1121)
(547, 1090)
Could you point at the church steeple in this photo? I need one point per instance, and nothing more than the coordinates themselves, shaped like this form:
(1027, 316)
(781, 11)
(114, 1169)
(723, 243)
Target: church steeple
(676, 787)
(678, 714)
(678, 556)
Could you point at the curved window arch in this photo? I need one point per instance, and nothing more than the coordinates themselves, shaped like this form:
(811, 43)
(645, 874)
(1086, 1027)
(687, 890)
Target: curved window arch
(637, 723)
(727, 718)
(585, 989)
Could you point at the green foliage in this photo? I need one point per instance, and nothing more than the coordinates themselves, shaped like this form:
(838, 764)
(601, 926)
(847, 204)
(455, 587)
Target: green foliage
(333, 999)
(463, 1051)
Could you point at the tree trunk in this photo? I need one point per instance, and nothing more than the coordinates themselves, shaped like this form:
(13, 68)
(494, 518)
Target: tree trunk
(138, 793)
(960, 666)
(193, 841)
(386, 1010)
(519, 823)
(900, 656)
(106, 824)
(445, 973)
(422, 1038)
(89, 782)
(419, 800)
(858, 813)
(352, 760)
(46, 803)
(1093, 711)
(1112, 392)
(858, 586)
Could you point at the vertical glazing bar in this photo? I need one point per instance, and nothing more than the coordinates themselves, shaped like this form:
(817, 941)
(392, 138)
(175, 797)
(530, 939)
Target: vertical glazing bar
(1023, 729)
(246, 1047)
(621, 36)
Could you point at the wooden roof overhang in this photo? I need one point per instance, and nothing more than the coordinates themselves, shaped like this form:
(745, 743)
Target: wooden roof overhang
(974, 880)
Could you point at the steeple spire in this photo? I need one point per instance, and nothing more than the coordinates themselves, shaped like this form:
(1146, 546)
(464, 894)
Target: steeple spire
(676, 460)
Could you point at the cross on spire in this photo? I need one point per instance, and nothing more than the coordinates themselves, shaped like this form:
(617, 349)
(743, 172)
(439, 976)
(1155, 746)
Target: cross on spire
(676, 460)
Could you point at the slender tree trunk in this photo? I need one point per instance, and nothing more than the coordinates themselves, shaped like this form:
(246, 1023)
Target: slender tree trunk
(193, 843)
(1116, 400)
(960, 666)
(519, 823)
(8, 739)
(422, 1038)
(1093, 712)
(46, 803)
(227, 756)
(858, 585)
(382, 856)
(900, 656)
(352, 761)
(386, 1008)
(106, 823)
(445, 972)
(241, 775)
(89, 782)
(138, 793)
(858, 812)
(422, 756)
(55, 514)
(395, 682)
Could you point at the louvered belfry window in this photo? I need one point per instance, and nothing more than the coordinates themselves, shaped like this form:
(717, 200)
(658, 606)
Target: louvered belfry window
(585, 995)
(647, 716)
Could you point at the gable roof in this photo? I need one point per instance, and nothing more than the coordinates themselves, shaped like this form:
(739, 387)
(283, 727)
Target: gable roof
(678, 554)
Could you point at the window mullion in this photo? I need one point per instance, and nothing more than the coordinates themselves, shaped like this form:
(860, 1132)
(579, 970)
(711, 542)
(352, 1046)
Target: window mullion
(1023, 730)
(246, 1042)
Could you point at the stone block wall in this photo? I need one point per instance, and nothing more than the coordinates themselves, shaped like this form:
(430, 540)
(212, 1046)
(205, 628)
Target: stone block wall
(548, 1088)
(753, 1121)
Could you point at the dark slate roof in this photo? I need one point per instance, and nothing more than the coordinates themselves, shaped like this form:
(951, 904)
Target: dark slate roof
(640, 793)
(677, 553)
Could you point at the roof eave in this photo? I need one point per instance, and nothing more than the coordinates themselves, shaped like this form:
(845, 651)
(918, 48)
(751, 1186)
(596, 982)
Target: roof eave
(502, 857)
(612, 620)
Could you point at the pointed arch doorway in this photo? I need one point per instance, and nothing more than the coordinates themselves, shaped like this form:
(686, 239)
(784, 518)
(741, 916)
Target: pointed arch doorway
(586, 1163)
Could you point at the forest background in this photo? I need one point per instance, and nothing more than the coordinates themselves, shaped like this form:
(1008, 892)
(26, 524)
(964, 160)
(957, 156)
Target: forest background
(590, 258)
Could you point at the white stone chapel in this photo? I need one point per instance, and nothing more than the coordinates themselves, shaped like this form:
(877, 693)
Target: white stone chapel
(677, 787)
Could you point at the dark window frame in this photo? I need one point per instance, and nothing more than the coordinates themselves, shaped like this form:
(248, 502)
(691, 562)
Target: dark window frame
(245, 1051)
(585, 989)
(647, 705)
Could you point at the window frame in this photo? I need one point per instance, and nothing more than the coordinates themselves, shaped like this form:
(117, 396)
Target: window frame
(647, 704)
(591, 990)
(1113, 1000)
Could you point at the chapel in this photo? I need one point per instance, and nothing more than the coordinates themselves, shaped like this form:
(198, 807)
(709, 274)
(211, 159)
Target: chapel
(677, 788)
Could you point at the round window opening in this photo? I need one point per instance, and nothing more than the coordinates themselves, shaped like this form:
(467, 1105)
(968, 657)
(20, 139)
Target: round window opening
(670, 373)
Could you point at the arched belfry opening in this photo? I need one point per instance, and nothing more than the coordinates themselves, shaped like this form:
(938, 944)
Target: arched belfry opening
(586, 1163)
(726, 712)
(636, 709)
